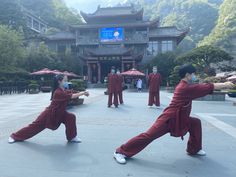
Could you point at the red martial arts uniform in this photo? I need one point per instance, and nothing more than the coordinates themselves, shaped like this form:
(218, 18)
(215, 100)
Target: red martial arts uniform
(51, 118)
(154, 82)
(119, 88)
(112, 89)
(175, 120)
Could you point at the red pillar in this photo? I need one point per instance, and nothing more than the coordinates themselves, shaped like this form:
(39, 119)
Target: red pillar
(122, 66)
(99, 72)
(89, 72)
(133, 64)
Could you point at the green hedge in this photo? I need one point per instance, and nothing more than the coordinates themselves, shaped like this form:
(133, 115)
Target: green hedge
(78, 84)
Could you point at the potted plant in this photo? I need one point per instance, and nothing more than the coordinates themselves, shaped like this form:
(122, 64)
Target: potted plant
(46, 89)
(77, 85)
(45, 86)
(232, 93)
(33, 87)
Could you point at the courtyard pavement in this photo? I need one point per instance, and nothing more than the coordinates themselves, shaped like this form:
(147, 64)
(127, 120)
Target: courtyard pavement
(103, 129)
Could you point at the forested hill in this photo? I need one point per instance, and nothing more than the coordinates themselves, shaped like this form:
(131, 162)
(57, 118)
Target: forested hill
(224, 33)
(55, 12)
(199, 15)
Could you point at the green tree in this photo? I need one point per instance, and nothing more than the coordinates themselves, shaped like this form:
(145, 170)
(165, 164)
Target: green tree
(203, 57)
(174, 77)
(12, 52)
(165, 63)
(11, 14)
(39, 57)
(71, 62)
(225, 27)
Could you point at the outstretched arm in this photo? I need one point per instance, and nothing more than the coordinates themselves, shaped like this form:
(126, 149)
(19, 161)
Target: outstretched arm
(77, 95)
(226, 85)
(200, 90)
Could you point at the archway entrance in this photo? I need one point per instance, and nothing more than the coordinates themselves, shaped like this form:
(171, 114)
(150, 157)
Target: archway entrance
(106, 67)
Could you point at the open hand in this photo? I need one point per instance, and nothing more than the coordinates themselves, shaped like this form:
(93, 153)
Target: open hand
(229, 85)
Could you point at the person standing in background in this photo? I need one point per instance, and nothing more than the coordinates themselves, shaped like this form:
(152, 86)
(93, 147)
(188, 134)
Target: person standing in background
(139, 85)
(154, 82)
(112, 88)
(119, 87)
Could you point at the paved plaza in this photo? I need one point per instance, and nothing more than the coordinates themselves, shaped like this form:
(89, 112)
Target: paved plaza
(103, 129)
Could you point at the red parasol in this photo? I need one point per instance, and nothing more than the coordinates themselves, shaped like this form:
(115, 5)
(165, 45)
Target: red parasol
(56, 72)
(132, 72)
(43, 72)
(70, 74)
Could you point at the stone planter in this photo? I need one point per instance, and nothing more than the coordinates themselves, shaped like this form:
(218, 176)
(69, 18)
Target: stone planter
(76, 102)
(46, 89)
(215, 96)
(33, 91)
(232, 94)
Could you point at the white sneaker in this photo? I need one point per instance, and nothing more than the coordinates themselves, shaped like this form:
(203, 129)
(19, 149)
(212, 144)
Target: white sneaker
(120, 158)
(201, 153)
(11, 140)
(76, 140)
(149, 106)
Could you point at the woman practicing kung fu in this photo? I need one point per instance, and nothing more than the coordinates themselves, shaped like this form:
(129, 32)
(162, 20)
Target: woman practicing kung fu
(176, 118)
(54, 115)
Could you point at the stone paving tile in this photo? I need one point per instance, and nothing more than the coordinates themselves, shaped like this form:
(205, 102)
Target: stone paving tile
(102, 129)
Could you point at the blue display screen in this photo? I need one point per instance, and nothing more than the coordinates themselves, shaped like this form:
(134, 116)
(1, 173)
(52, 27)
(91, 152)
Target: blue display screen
(111, 34)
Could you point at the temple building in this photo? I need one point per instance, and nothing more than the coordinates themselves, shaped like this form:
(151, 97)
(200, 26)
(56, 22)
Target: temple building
(120, 37)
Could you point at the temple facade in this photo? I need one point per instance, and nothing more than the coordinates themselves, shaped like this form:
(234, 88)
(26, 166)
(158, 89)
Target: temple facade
(120, 37)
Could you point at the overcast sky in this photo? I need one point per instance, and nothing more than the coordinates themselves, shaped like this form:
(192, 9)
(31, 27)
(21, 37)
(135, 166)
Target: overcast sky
(90, 5)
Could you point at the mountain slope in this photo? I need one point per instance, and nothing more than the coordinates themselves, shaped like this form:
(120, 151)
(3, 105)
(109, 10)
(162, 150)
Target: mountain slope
(225, 28)
(184, 14)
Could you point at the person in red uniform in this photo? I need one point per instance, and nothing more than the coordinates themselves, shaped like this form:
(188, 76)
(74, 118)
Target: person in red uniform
(154, 82)
(54, 114)
(112, 88)
(176, 118)
(119, 87)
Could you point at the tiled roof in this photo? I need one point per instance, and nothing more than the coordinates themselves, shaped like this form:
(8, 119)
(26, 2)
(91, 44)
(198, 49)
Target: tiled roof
(171, 31)
(107, 11)
(61, 36)
(123, 24)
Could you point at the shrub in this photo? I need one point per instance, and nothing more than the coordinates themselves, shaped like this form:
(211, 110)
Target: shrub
(33, 85)
(78, 84)
(214, 80)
